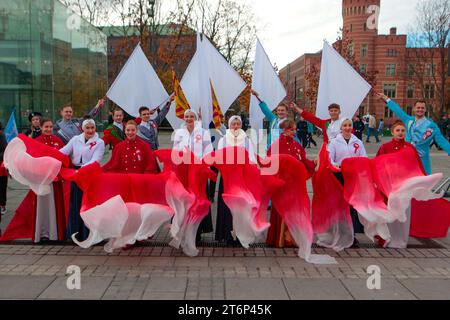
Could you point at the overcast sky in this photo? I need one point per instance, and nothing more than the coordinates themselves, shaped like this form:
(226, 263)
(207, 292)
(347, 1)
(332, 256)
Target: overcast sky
(294, 27)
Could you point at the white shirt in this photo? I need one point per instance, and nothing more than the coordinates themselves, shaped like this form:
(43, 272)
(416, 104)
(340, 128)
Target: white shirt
(339, 150)
(199, 141)
(84, 153)
(334, 129)
(119, 125)
(242, 141)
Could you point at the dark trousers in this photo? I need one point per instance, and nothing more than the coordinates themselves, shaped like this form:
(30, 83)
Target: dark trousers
(303, 137)
(357, 226)
(76, 224)
(3, 187)
(374, 132)
(311, 140)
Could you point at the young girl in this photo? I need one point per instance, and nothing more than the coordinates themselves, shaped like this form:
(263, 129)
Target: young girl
(399, 231)
(132, 155)
(278, 235)
(346, 145)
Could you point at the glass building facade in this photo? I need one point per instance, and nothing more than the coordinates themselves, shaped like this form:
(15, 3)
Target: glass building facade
(49, 57)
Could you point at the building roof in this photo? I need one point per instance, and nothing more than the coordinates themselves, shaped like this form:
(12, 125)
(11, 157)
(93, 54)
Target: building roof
(164, 30)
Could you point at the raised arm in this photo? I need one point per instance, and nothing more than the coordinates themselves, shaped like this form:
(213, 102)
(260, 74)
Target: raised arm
(165, 110)
(264, 107)
(396, 109)
(96, 110)
(309, 117)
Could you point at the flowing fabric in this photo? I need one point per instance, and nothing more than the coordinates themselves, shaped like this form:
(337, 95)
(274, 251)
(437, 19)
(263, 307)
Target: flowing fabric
(128, 208)
(33, 164)
(293, 205)
(360, 192)
(194, 176)
(401, 178)
(246, 192)
(331, 220)
(430, 219)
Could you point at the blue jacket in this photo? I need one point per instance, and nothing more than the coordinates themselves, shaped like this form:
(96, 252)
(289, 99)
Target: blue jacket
(420, 134)
(274, 124)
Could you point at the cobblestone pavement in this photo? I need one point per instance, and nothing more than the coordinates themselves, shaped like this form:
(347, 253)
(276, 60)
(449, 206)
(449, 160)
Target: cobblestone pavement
(158, 272)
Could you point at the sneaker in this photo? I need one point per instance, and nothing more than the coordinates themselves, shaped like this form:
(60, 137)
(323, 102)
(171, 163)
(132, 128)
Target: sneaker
(3, 211)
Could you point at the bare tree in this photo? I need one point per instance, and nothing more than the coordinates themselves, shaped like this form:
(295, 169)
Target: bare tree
(96, 12)
(428, 59)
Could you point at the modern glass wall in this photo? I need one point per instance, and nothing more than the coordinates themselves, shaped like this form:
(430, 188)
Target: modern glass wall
(49, 57)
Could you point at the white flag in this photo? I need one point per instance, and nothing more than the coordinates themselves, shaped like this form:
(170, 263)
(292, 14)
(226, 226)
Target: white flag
(267, 83)
(339, 83)
(227, 83)
(206, 67)
(137, 85)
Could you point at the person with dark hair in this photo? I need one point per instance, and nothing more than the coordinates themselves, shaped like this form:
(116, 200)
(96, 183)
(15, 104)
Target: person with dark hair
(35, 130)
(420, 130)
(115, 132)
(310, 135)
(69, 127)
(358, 127)
(3, 173)
(372, 128)
(302, 132)
(148, 129)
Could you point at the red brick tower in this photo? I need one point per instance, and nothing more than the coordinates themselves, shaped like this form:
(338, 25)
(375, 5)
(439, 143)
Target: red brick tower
(361, 27)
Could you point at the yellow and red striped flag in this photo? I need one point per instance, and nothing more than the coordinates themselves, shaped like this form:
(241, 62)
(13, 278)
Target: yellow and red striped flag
(217, 112)
(180, 99)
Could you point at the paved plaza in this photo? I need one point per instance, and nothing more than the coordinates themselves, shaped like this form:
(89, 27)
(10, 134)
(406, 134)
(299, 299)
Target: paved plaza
(155, 271)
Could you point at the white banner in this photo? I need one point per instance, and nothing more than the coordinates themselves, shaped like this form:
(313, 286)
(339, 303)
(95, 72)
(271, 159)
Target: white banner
(137, 85)
(339, 83)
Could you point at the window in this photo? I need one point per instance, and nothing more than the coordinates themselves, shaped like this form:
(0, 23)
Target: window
(390, 90)
(391, 69)
(363, 50)
(409, 110)
(429, 91)
(391, 53)
(363, 68)
(351, 27)
(351, 50)
(365, 26)
(388, 113)
(411, 70)
(362, 111)
(430, 69)
(410, 91)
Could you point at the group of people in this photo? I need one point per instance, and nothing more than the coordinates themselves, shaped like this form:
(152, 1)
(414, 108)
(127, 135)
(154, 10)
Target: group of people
(134, 144)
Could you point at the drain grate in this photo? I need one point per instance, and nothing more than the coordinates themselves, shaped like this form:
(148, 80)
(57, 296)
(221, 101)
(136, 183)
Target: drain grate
(423, 244)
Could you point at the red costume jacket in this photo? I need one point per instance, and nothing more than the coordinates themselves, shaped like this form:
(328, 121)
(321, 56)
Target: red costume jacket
(287, 145)
(132, 157)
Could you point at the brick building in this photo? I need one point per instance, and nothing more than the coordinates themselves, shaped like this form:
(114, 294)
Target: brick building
(122, 41)
(403, 73)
